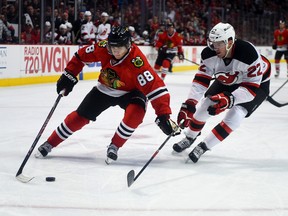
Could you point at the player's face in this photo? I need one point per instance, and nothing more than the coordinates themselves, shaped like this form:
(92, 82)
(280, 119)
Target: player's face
(118, 52)
(219, 48)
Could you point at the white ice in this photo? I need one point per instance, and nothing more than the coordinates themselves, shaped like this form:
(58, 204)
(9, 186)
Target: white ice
(247, 174)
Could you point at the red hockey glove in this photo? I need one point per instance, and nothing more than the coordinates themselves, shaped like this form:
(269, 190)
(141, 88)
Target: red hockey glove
(223, 101)
(67, 82)
(167, 125)
(186, 112)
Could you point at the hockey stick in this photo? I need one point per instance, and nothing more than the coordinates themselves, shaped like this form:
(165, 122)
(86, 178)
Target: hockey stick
(19, 176)
(192, 62)
(279, 88)
(275, 103)
(131, 178)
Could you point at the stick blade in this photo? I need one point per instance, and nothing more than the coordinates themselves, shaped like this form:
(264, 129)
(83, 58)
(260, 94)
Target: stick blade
(24, 179)
(275, 103)
(130, 177)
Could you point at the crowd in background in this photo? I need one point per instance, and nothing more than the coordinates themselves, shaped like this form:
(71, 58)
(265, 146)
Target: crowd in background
(254, 20)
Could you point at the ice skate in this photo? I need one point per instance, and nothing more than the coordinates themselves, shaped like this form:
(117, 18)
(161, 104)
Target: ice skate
(277, 74)
(197, 152)
(43, 150)
(183, 144)
(111, 153)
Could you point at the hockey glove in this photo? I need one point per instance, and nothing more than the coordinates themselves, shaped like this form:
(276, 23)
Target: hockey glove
(186, 112)
(67, 82)
(274, 46)
(162, 50)
(223, 101)
(181, 56)
(167, 125)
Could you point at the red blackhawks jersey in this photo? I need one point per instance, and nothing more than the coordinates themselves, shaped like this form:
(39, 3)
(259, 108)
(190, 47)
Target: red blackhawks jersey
(118, 77)
(281, 39)
(173, 42)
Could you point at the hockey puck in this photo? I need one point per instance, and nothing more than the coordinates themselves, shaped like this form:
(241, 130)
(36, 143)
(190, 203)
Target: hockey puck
(50, 179)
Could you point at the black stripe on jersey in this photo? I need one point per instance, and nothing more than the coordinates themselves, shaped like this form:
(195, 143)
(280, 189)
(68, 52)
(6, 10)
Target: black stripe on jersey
(244, 52)
(156, 93)
(202, 79)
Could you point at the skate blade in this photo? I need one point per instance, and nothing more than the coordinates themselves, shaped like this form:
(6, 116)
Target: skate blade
(38, 155)
(108, 161)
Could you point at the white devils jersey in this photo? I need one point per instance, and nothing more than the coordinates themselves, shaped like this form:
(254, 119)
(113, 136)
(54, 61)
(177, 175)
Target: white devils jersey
(103, 31)
(247, 68)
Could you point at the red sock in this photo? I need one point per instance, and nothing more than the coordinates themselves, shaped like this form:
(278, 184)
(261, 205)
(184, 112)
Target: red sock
(72, 123)
(133, 117)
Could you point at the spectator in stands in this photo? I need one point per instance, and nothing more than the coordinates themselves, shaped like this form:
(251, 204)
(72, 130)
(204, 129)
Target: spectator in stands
(12, 14)
(48, 33)
(77, 26)
(28, 36)
(37, 34)
(134, 35)
(104, 28)
(5, 33)
(31, 18)
(62, 36)
(69, 31)
(144, 40)
(88, 29)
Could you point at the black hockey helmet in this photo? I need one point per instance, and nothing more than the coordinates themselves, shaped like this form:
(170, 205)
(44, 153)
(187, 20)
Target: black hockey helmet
(119, 36)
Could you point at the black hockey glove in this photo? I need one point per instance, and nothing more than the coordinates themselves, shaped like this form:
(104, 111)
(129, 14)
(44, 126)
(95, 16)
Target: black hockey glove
(181, 56)
(274, 46)
(223, 101)
(167, 125)
(67, 82)
(186, 112)
(162, 50)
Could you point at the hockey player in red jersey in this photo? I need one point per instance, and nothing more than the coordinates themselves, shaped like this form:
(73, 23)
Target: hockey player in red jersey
(168, 45)
(242, 80)
(126, 80)
(280, 43)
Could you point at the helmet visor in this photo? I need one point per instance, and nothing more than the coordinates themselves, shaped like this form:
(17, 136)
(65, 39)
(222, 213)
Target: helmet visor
(215, 45)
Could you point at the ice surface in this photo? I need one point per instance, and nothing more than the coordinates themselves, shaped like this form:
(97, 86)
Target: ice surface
(247, 174)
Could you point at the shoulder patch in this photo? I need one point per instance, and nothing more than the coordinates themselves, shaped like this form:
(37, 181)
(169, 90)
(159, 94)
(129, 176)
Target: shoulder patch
(138, 62)
(102, 43)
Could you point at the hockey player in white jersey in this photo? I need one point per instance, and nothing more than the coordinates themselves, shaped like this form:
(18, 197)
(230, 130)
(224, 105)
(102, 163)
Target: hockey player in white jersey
(88, 29)
(242, 79)
(104, 28)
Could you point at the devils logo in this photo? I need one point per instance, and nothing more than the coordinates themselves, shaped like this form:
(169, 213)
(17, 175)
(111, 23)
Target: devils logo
(227, 78)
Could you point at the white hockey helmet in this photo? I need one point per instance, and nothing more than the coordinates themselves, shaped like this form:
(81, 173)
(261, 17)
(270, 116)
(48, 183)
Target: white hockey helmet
(221, 32)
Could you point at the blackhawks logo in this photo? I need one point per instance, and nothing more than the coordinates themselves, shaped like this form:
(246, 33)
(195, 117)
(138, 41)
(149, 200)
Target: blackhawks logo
(111, 79)
(138, 62)
(102, 43)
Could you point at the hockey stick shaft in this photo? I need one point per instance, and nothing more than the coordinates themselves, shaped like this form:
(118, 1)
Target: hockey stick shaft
(130, 177)
(19, 172)
(279, 88)
(191, 61)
